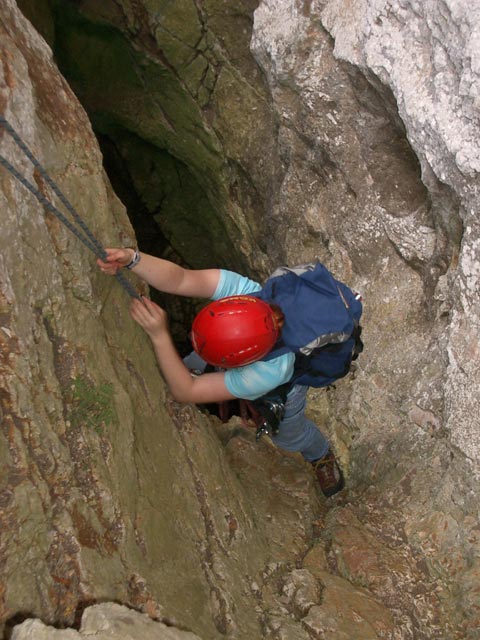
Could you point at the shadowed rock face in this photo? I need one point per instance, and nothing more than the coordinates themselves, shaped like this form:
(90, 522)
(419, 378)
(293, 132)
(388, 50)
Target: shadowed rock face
(175, 92)
(344, 132)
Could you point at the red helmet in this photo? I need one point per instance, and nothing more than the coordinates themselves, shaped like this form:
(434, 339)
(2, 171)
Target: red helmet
(234, 331)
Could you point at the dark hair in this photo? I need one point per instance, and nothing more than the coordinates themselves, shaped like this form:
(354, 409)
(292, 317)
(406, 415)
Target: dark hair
(278, 315)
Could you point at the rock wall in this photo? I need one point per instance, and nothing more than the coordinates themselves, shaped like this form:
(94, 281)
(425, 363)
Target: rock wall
(105, 621)
(378, 122)
(183, 117)
(354, 143)
(182, 108)
(427, 54)
(109, 491)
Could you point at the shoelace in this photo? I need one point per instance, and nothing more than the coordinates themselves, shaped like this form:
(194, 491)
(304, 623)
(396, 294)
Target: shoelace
(323, 461)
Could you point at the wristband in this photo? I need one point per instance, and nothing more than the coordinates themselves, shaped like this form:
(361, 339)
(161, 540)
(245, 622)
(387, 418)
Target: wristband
(135, 260)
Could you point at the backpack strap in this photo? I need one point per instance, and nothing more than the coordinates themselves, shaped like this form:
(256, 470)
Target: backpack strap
(303, 362)
(358, 346)
(303, 365)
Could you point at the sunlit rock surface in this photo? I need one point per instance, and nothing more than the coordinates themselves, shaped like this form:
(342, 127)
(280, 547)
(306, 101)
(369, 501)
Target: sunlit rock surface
(104, 621)
(358, 88)
(428, 54)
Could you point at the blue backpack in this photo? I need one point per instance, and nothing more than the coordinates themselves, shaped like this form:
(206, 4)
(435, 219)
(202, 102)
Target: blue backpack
(322, 322)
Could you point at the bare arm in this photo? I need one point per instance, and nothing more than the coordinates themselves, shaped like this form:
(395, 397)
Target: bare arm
(164, 275)
(209, 387)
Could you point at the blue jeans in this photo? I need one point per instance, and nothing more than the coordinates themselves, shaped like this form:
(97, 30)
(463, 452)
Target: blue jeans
(296, 432)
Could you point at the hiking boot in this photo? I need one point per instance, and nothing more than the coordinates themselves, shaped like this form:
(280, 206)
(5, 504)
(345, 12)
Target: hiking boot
(329, 474)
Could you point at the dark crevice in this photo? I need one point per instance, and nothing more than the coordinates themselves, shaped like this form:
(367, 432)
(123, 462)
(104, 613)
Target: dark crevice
(146, 121)
(149, 235)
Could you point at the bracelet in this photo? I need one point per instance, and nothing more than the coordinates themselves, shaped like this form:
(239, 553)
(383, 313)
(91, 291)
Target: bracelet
(135, 260)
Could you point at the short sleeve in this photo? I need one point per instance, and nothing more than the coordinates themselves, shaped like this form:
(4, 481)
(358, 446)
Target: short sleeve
(233, 284)
(256, 379)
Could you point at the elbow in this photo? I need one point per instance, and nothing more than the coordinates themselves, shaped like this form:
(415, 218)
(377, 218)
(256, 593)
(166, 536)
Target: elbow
(178, 397)
(182, 395)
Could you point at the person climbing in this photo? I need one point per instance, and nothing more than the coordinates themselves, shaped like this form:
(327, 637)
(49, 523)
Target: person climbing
(235, 332)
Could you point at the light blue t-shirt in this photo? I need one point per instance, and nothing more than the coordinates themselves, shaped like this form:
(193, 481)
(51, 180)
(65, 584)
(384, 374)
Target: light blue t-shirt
(256, 379)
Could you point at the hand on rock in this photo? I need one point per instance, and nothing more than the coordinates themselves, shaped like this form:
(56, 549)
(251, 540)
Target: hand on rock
(152, 318)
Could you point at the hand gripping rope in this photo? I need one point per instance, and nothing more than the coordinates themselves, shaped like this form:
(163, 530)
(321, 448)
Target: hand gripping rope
(83, 233)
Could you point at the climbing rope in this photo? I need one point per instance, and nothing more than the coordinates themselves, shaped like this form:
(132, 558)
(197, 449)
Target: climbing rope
(83, 233)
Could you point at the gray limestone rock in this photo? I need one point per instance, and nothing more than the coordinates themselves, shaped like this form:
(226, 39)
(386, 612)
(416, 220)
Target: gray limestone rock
(426, 54)
(104, 621)
(379, 127)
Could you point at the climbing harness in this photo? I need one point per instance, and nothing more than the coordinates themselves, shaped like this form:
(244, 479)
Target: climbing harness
(264, 414)
(83, 233)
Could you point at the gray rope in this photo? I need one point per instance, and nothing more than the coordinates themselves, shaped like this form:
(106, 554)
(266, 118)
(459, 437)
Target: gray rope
(87, 238)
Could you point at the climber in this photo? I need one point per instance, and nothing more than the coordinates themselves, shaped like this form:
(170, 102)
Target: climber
(245, 374)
